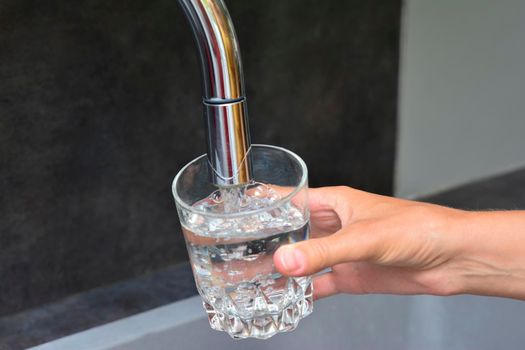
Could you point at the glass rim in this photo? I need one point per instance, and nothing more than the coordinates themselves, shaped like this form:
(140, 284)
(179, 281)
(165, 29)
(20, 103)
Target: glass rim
(276, 204)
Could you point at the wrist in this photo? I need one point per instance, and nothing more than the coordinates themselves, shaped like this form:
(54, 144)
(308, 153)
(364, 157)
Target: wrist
(490, 255)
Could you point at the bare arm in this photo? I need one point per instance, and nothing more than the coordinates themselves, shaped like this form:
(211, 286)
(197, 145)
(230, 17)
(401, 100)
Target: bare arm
(379, 244)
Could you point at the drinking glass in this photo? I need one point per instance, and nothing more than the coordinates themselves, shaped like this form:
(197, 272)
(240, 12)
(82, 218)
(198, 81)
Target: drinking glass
(231, 235)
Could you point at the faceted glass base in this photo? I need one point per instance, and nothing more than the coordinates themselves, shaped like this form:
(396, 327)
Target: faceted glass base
(271, 319)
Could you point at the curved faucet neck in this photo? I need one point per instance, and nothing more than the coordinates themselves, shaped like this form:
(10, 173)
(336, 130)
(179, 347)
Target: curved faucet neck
(225, 111)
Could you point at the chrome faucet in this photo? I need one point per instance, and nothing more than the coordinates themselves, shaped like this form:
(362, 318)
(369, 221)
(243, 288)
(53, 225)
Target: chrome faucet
(225, 113)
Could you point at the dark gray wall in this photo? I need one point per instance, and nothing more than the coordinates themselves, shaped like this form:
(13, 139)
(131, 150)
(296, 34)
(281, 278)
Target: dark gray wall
(100, 106)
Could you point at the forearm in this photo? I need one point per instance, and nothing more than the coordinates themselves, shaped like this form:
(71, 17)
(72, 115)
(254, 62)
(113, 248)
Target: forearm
(491, 259)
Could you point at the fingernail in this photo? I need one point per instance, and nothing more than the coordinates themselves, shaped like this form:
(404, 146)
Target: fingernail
(291, 259)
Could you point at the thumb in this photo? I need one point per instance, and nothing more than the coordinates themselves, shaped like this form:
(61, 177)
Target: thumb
(316, 254)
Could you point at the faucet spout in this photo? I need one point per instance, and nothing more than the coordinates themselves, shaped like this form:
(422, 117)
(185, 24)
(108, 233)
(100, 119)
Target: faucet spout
(225, 111)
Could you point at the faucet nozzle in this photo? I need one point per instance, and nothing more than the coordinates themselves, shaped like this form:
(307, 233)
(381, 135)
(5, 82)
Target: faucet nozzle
(225, 112)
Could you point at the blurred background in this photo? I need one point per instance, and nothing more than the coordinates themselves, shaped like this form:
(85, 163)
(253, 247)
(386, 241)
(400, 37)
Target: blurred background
(100, 107)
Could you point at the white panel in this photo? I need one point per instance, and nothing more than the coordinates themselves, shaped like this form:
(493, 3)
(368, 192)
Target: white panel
(462, 92)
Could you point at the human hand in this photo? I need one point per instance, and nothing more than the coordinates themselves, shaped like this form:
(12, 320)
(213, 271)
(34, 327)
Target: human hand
(376, 244)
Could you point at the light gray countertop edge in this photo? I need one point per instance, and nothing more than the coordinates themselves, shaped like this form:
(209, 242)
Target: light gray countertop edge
(131, 328)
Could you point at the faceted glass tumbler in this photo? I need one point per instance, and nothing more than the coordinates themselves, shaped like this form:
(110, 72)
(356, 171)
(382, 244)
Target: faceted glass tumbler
(231, 253)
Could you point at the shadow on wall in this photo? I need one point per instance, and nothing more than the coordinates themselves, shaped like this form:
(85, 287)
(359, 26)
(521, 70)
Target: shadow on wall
(100, 107)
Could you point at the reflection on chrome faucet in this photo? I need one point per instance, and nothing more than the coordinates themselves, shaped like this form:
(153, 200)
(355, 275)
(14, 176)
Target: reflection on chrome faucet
(225, 112)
